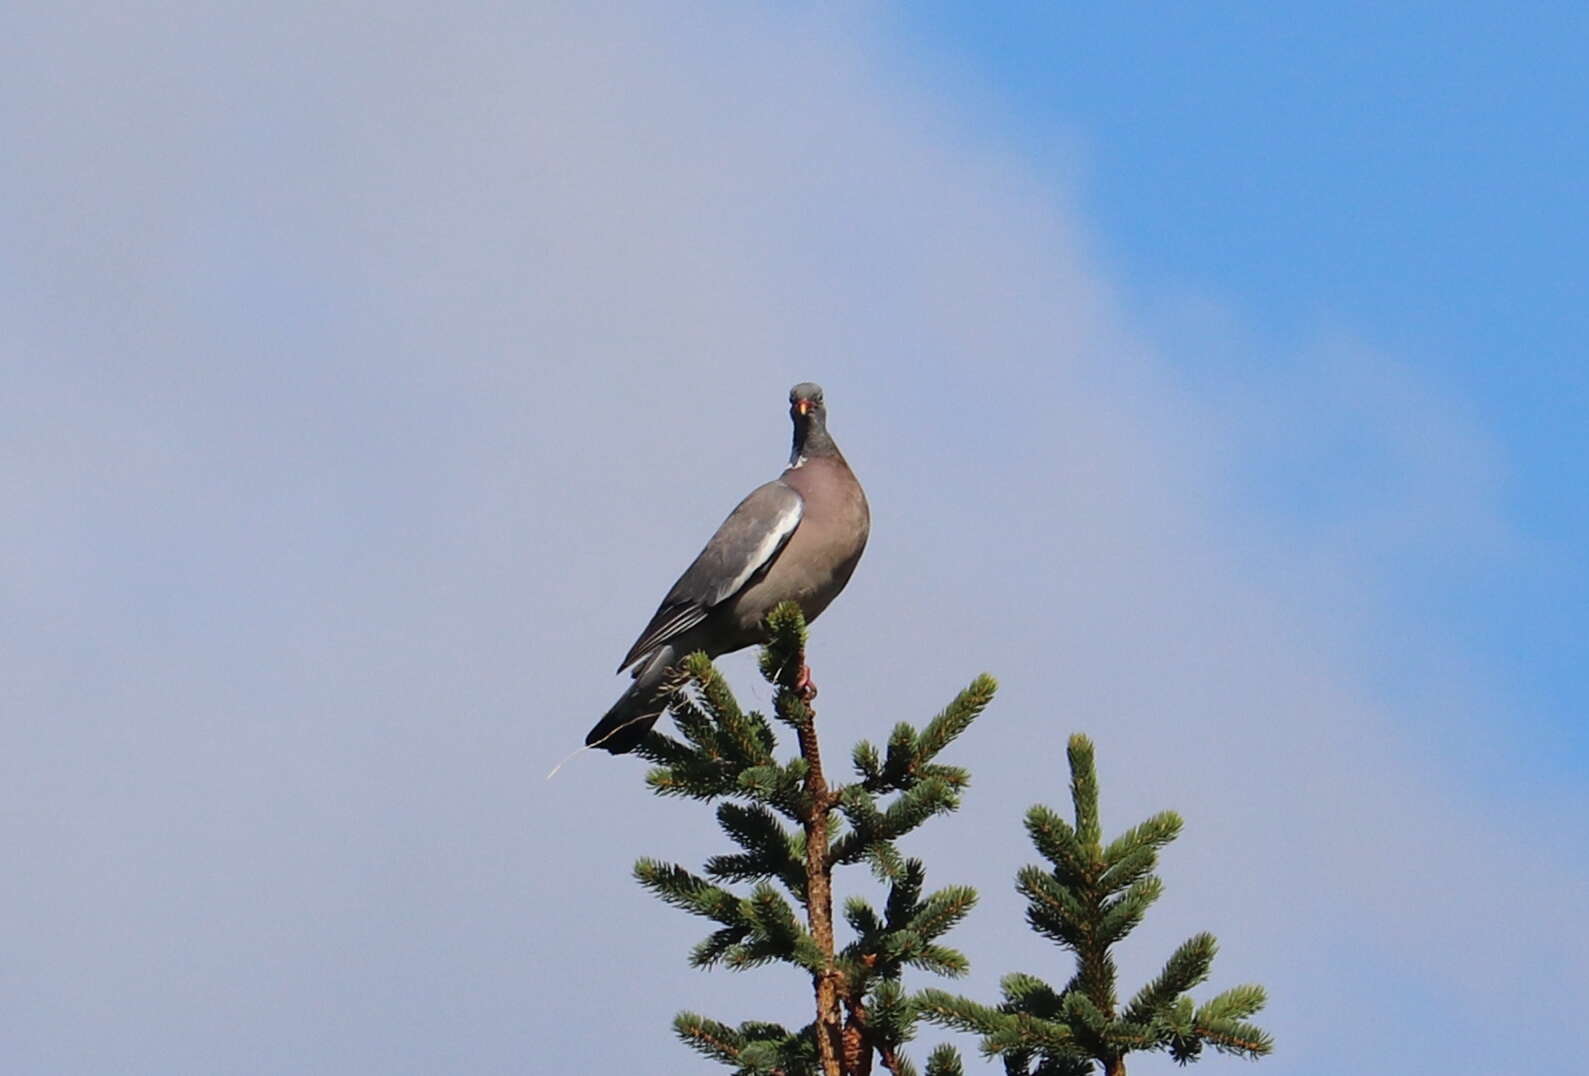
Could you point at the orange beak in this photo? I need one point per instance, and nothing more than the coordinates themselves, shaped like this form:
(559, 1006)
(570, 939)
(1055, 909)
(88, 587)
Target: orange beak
(803, 407)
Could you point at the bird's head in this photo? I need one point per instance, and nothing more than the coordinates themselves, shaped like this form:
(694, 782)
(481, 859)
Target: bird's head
(810, 417)
(805, 401)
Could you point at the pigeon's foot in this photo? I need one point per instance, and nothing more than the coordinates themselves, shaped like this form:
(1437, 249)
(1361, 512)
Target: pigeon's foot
(803, 685)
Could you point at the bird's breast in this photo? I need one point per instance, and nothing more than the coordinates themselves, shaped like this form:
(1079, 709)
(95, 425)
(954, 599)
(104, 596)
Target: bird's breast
(822, 553)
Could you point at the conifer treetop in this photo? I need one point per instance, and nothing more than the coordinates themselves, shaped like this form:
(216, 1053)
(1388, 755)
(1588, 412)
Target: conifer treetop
(1087, 898)
(792, 827)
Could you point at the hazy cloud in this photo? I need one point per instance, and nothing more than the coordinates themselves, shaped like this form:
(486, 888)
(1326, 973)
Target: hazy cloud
(371, 371)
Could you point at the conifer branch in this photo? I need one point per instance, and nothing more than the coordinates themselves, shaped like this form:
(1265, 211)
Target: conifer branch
(952, 720)
(717, 945)
(1028, 994)
(945, 1061)
(684, 890)
(1087, 899)
(1084, 791)
(770, 851)
(716, 1041)
(1187, 967)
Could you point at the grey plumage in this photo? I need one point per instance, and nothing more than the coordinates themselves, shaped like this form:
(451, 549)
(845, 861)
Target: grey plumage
(797, 538)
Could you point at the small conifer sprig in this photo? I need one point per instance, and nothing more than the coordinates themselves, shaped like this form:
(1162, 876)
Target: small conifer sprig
(1090, 897)
(791, 828)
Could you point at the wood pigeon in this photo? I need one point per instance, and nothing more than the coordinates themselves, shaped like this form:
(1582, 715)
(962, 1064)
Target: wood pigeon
(797, 538)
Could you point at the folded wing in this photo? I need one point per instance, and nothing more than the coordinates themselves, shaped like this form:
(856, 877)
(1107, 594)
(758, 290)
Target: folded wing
(748, 541)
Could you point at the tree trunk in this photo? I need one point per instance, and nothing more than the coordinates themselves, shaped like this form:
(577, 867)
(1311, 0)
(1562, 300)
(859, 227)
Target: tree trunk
(819, 904)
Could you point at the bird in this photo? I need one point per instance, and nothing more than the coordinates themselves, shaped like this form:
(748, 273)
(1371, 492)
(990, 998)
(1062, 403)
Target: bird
(796, 538)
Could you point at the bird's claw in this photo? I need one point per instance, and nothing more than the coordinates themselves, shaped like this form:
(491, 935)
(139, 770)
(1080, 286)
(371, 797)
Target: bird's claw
(803, 686)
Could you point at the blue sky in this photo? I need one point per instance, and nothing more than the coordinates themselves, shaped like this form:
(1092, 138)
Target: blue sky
(1409, 174)
(1413, 169)
(371, 372)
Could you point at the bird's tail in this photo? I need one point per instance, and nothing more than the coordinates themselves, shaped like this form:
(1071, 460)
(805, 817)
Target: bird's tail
(637, 709)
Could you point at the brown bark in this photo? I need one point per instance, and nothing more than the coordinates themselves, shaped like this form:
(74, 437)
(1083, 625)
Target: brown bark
(858, 1039)
(857, 1054)
(828, 983)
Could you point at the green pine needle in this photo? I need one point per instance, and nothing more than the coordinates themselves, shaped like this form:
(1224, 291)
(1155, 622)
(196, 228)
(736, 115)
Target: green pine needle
(942, 910)
(1121, 915)
(945, 1061)
(1131, 868)
(1237, 1003)
(716, 946)
(1236, 1037)
(897, 758)
(886, 862)
(953, 719)
(917, 804)
(784, 654)
(1058, 843)
(1187, 966)
(868, 764)
(780, 787)
(1155, 833)
(770, 850)
(1055, 910)
(961, 1014)
(904, 895)
(715, 1040)
(956, 777)
(862, 918)
(1031, 995)
(1080, 1012)
(661, 748)
(680, 888)
(891, 1013)
(941, 960)
(698, 728)
(1084, 792)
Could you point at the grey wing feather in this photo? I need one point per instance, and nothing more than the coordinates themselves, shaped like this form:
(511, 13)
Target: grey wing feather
(750, 538)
